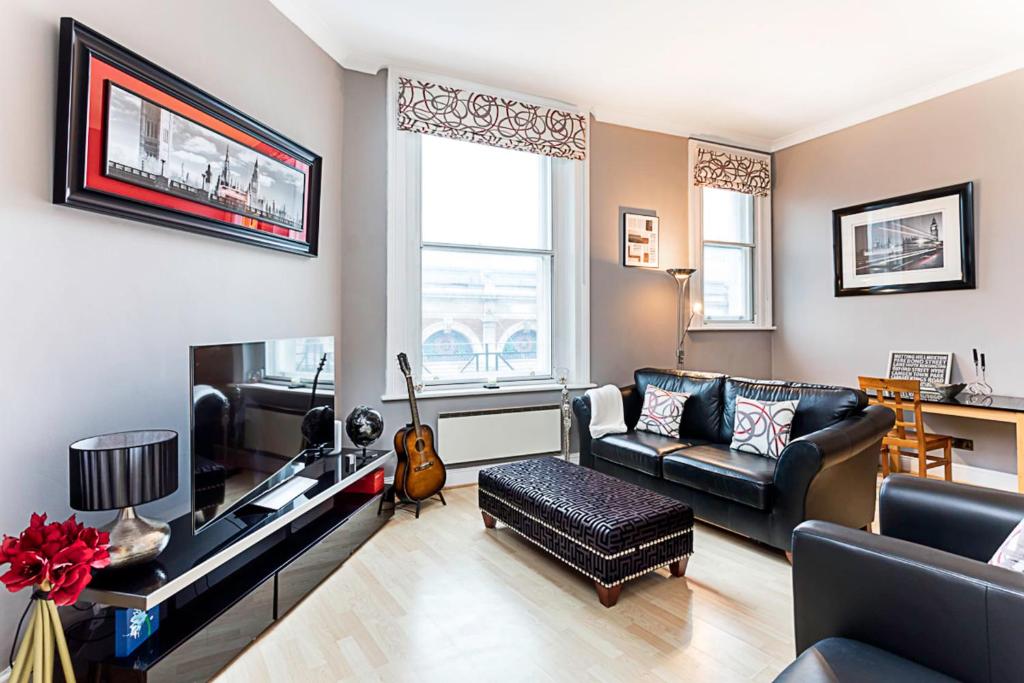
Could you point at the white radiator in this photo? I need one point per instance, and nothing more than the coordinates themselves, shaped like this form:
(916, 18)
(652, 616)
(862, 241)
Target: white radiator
(481, 435)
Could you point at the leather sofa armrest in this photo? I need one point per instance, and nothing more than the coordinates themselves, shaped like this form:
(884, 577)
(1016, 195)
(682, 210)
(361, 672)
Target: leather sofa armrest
(960, 519)
(848, 437)
(925, 605)
(830, 474)
(631, 405)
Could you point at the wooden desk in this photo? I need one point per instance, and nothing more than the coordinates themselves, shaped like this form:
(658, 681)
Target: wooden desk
(1008, 409)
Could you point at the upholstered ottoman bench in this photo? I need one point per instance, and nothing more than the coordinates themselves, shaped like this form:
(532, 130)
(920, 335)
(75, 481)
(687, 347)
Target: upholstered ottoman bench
(608, 529)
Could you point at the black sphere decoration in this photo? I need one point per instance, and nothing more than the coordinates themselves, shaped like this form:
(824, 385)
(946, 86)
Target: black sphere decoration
(364, 425)
(318, 426)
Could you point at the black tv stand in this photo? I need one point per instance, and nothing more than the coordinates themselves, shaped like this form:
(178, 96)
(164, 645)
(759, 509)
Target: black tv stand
(217, 593)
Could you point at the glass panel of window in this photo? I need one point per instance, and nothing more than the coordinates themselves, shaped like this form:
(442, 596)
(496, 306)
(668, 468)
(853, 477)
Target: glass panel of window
(485, 315)
(728, 216)
(478, 195)
(728, 282)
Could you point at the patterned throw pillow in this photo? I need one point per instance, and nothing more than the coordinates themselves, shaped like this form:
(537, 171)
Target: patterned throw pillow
(662, 411)
(762, 428)
(1011, 553)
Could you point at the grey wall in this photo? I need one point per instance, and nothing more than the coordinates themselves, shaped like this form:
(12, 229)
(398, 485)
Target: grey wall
(97, 313)
(633, 319)
(972, 134)
(632, 313)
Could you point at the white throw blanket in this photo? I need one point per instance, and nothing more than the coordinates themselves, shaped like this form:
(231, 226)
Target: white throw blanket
(606, 416)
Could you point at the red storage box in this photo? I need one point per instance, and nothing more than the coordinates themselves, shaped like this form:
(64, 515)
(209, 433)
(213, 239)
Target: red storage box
(371, 483)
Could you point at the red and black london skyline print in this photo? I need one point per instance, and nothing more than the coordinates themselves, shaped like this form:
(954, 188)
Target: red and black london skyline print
(146, 145)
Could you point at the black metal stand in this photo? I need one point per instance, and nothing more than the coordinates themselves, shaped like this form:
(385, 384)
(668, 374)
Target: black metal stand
(402, 503)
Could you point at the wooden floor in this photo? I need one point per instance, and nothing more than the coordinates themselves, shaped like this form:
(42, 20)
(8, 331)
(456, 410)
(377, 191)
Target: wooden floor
(443, 599)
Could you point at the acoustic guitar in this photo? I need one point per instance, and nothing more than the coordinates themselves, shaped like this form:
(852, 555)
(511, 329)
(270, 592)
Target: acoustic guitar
(420, 473)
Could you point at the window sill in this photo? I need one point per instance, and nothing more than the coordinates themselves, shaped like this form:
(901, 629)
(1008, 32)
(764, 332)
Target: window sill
(733, 328)
(480, 391)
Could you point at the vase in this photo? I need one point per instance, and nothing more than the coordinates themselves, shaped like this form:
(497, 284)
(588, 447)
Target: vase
(44, 635)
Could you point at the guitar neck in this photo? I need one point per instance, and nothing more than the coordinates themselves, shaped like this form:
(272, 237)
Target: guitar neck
(412, 404)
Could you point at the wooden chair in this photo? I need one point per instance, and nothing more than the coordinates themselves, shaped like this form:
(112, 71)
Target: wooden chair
(909, 435)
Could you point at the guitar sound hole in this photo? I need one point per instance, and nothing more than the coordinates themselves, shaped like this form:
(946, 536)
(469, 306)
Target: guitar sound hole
(420, 445)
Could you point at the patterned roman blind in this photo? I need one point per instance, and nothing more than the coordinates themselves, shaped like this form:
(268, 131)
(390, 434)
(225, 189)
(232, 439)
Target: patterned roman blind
(732, 171)
(460, 114)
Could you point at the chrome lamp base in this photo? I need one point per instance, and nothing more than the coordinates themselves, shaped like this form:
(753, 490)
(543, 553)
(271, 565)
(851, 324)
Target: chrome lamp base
(135, 539)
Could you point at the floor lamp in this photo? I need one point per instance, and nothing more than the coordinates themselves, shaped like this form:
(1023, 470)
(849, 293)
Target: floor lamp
(682, 278)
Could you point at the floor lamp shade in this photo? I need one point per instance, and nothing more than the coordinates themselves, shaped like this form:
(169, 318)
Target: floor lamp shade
(682, 277)
(116, 471)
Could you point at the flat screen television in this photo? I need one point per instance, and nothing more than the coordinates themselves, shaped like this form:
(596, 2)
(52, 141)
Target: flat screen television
(248, 405)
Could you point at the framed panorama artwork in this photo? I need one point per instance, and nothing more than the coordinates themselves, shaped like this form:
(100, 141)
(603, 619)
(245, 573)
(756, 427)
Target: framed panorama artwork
(639, 240)
(916, 243)
(135, 141)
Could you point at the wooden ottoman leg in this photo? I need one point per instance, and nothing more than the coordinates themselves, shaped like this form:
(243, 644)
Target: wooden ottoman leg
(489, 521)
(608, 595)
(678, 568)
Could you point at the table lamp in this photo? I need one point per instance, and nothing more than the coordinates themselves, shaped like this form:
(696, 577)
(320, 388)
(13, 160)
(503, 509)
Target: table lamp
(682, 278)
(118, 472)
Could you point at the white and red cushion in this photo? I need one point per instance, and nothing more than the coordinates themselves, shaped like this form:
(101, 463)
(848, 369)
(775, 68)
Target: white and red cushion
(1011, 553)
(762, 427)
(662, 411)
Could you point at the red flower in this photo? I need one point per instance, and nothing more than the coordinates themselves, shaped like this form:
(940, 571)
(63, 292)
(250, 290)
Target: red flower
(72, 529)
(70, 572)
(68, 582)
(27, 569)
(61, 553)
(8, 549)
(54, 538)
(98, 541)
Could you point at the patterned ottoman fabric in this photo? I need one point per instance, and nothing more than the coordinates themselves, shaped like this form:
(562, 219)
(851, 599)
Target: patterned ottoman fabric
(608, 529)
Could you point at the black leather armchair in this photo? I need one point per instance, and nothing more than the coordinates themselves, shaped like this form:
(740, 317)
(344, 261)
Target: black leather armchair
(826, 472)
(916, 603)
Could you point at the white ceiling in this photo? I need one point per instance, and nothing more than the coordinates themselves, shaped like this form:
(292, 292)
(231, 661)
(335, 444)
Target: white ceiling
(764, 73)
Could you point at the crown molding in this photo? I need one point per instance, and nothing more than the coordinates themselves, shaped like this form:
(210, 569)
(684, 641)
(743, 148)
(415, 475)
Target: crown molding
(671, 127)
(945, 86)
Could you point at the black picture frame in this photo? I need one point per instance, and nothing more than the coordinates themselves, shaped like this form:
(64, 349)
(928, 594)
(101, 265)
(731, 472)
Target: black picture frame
(647, 215)
(78, 44)
(964, 193)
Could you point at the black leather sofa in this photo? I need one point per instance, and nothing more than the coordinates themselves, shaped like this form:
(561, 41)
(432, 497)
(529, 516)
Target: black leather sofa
(916, 604)
(826, 472)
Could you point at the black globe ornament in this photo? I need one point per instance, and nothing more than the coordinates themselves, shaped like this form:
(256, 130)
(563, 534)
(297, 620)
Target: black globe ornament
(364, 425)
(318, 427)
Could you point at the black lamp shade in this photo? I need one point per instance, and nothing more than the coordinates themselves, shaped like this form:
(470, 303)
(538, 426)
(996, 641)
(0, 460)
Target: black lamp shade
(121, 470)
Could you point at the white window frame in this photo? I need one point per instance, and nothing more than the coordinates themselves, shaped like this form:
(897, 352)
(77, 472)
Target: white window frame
(761, 279)
(570, 242)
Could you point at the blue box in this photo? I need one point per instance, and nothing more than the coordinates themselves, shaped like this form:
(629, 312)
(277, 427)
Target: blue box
(132, 627)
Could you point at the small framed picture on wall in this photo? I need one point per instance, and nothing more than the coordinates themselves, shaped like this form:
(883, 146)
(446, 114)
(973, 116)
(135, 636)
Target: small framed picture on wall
(639, 240)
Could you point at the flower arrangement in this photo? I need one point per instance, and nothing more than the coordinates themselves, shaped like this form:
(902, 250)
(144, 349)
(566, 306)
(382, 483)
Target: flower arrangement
(56, 559)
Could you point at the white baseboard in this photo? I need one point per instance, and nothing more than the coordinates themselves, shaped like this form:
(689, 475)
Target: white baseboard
(460, 476)
(965, 474)
(5, 675)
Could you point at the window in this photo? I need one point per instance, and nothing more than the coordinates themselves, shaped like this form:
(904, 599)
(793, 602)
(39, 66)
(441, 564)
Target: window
(727, 276)
(731, 243)
(485, 259)
(487, 265)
